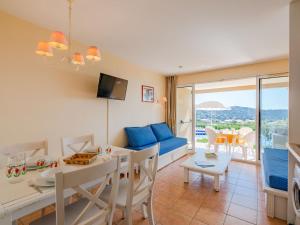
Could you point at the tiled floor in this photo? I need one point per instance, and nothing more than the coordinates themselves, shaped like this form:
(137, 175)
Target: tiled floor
(240, 201)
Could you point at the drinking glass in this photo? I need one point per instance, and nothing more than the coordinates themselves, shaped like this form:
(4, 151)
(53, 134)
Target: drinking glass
(16, 168)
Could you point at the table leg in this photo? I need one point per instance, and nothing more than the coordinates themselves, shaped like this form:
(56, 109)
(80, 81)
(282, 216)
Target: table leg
(6, 220)
(217, 183)
(186, 175)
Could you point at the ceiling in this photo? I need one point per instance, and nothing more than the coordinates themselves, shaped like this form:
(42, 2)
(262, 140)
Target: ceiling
(161, 35)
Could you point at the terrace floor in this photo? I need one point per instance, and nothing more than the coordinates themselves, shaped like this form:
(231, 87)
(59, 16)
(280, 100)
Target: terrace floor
(237, 152)
(240, 201)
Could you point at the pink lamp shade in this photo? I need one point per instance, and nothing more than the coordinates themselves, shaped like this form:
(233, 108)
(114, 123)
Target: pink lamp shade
(58, 40)
(93, 54)
(44, 49)
(78, 59)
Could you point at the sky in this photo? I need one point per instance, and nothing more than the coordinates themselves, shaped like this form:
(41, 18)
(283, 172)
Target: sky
(271, 98)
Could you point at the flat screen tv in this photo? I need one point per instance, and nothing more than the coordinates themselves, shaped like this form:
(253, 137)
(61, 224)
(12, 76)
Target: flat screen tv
(111, 87)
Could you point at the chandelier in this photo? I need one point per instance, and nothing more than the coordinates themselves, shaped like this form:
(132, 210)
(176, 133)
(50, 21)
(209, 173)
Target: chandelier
(59, 41)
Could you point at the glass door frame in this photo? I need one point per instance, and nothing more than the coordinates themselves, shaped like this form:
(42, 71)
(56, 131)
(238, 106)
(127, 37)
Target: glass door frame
(258, 107)
(193, 150)
(259, 78)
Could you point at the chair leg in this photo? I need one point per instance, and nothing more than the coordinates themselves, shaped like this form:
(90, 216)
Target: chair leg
(128, 216)
(216, 148)
(123, 213)
(144, 210)
(150, 212)
(244, 152)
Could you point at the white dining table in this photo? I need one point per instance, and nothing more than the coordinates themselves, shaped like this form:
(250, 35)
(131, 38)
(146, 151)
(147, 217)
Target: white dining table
(20, 199)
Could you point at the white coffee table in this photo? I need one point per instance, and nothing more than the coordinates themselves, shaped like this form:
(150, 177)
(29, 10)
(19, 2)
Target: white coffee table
(220, 166)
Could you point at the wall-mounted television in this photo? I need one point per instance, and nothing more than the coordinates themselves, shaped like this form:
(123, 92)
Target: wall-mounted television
(111, 87)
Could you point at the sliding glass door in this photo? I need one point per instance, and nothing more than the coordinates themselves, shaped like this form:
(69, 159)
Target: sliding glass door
(273, 112)
(226, 117)
(251, 114)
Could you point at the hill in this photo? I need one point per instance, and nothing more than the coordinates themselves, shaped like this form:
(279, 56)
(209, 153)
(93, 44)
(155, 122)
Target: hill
(242, 113)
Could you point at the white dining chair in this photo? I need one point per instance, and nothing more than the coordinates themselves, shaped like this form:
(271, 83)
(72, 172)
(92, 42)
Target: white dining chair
(30, 149)
(212, 137)
(247, 142)
(71, 145)
(244, 130)
(89, 209)
(138, 191)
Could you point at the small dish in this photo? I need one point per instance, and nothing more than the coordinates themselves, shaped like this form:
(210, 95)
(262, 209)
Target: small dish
(49, 174)
(40, 182)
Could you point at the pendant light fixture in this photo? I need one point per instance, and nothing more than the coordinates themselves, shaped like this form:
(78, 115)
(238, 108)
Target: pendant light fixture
(59, 41)
(93, 54)
(44, 49)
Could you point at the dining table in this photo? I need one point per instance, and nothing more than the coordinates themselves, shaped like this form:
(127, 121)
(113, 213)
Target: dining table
(229, 138)
(20, 199)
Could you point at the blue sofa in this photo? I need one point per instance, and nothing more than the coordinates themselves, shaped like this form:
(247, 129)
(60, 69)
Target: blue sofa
(275, 183)
(140, 138)
(275, 163)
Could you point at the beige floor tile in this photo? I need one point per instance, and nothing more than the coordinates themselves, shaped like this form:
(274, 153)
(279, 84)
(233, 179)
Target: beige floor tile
(216, 205)
(242, 213)
(210, 217)
(229, 220)
(174, 219)
(197, 222)
(248, 184)
(263, 219)
(245, 201)
(186, 207)
(246, 191)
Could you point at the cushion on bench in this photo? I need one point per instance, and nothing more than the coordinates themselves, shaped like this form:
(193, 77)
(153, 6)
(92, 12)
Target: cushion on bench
(161, 131)
(140, 136)
(171, 144)
(165, 146)
(276, 168)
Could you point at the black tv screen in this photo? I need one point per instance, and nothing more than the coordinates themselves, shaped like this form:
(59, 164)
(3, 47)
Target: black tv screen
(111, 87)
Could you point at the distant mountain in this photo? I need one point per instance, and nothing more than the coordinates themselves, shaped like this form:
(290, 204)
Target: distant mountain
(242, 113)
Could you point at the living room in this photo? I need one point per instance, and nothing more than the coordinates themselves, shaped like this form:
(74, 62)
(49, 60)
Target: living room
(53, 100)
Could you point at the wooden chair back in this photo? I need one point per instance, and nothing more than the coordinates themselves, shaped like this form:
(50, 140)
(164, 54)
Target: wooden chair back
(141, 189)
(75, 180)
(30, 149)
(71, 145)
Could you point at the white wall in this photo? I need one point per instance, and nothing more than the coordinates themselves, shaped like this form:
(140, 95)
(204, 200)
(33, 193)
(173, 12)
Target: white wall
(294, 93)
(44, 98)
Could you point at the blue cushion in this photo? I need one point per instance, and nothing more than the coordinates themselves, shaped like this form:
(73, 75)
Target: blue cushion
(276, 168)
(141, 147)
(171, 144)
(140, 136)
(165, 146)
(161, 131)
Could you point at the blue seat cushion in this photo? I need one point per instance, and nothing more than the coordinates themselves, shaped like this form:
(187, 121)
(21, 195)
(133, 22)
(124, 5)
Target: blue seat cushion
(171, 144)
(276, 168)
(161, 131)
(140, 136)
(165, 146)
